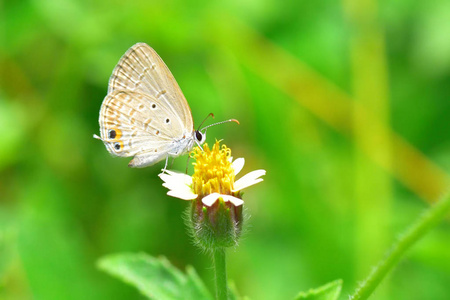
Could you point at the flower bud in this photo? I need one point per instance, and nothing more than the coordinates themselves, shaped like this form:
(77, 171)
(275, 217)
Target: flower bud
(216, 226)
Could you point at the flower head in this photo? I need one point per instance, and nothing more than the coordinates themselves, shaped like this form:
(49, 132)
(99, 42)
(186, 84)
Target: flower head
(214, 177)
(216, 212)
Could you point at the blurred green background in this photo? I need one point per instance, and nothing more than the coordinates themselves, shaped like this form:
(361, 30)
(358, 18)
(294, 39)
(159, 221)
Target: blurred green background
(346, 104)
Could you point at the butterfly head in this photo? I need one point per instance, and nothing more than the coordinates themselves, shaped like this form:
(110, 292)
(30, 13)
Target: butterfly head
(200, 137)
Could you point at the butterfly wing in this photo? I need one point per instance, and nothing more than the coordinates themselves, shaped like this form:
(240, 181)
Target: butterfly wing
(139, 125)
(141, 70)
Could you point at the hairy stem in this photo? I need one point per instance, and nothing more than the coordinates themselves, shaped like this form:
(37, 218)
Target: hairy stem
(220, 273)
(424, 223)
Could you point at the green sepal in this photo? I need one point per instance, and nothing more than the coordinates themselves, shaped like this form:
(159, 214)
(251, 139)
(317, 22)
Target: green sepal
(218, 226)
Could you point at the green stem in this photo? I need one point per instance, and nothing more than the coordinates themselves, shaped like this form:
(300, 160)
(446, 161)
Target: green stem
(220, 274)
(424, 223)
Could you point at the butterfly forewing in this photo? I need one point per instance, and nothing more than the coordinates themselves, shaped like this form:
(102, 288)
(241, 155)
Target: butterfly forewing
(141, 70)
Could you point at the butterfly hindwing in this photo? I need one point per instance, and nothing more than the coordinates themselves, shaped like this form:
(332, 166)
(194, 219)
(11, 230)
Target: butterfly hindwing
(133, 124)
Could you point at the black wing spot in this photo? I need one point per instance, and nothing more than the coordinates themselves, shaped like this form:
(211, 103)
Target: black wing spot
(167, 120)
(117, 146)
(112, 134)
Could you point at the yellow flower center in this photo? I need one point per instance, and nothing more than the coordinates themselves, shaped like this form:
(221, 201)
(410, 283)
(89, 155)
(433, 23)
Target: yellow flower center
(212, 170)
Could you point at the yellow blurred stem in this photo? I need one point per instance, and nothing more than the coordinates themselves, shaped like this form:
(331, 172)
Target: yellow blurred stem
(373, 188)
(330, 104)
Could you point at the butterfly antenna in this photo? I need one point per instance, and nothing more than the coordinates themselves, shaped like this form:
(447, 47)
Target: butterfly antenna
(209, 115)
(226, 121)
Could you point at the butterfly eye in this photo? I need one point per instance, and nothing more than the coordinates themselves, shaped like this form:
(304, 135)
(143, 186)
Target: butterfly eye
(198, 136)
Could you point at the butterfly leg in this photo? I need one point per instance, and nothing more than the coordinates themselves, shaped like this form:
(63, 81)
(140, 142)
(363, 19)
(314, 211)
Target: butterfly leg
(198, 144)
(167, 162)
(165, 166)
(187, 163)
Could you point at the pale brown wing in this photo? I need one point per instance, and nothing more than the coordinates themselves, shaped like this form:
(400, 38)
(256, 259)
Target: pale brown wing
(141, 70)
(133, 123)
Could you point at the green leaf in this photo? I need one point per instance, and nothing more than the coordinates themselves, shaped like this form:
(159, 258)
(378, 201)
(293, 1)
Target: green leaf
(154, 277)
(329, 291)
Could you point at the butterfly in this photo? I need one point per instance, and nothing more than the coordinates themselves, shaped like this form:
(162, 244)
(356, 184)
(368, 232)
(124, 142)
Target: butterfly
(145, 115)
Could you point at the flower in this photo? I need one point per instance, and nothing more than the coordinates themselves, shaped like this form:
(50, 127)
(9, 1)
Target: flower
(216, 214)
(214, 177)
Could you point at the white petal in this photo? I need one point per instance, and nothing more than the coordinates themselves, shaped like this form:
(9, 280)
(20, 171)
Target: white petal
(186, 179)
(165, 177)
(178, 185)
(173, 184)
(237, 165)
(176, 181)
(234, 200)
(182, 195)
(178, 188)
(210, 199)
(248, 180)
